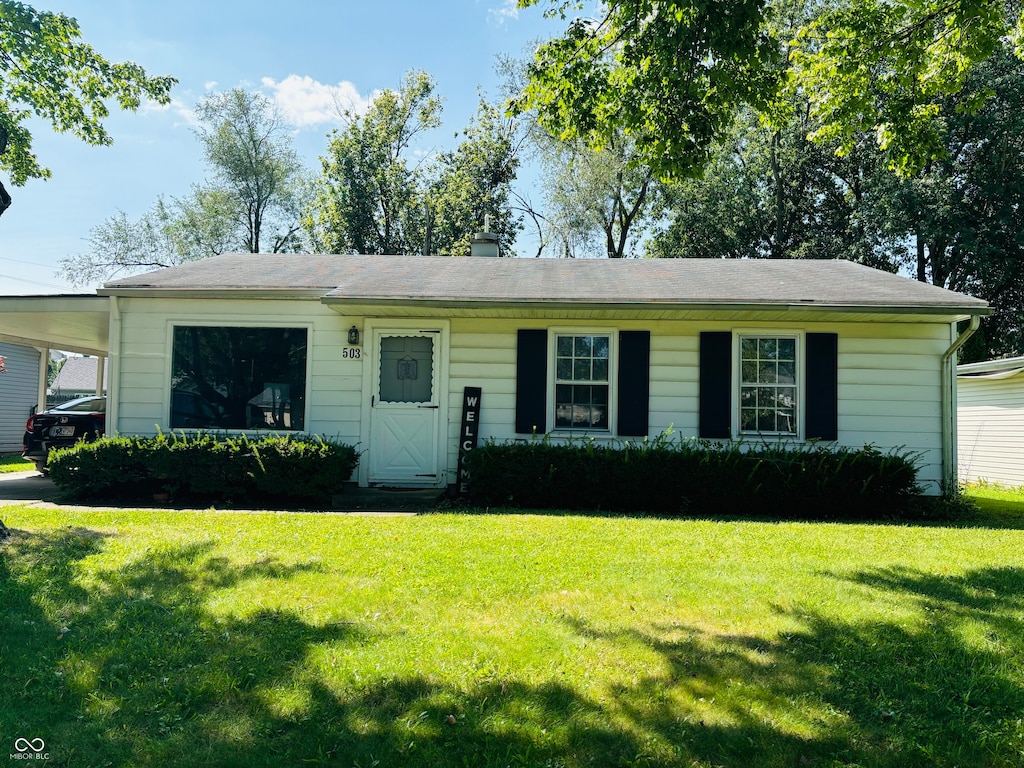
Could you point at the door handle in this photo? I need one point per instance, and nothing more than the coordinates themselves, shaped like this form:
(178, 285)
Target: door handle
(429, 407)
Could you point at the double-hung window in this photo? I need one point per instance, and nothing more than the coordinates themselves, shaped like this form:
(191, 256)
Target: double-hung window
(768, 385)
(765, 383)
(582, 394)
(585, 380)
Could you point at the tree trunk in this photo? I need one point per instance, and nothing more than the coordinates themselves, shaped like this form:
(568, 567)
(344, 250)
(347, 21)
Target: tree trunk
(780, 198)
(5, 199)
(922, 259)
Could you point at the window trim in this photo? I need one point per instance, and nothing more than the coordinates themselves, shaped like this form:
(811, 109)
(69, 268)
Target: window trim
(738, 334)
(613, 388)
(185, 322)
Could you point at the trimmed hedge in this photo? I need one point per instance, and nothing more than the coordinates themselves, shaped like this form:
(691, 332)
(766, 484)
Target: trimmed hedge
(694, 478)
(206, 468)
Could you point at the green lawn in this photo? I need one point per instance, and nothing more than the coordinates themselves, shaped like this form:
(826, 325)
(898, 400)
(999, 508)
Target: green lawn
(229, 639)
(12, 462)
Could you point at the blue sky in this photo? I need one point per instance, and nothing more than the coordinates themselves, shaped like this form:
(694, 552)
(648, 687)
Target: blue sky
(301, 53)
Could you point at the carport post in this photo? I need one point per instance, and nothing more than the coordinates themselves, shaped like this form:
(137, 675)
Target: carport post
(44, 372)
(101, 363)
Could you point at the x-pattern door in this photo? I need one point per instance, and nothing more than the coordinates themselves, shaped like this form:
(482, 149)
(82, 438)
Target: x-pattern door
(404, 414)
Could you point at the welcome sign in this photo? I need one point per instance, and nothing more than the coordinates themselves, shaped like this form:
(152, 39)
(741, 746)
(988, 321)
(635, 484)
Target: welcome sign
(470, 430)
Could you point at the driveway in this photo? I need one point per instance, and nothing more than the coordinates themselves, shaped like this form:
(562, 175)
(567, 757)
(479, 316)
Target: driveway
(26, 488)
(34, 489)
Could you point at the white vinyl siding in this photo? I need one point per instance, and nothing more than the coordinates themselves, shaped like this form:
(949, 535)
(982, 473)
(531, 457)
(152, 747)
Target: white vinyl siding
(888, 378)
(19, 388)
(334, 383)
(990, 429)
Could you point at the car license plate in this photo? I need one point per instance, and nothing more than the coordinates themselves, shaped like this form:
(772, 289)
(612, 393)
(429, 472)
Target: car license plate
(62, 432)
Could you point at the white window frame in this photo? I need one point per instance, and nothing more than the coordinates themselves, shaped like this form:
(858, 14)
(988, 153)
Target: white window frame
(798, 387)
(612, 335)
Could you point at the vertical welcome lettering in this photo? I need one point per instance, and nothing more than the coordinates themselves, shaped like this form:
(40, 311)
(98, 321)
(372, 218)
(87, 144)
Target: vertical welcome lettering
(470, 430)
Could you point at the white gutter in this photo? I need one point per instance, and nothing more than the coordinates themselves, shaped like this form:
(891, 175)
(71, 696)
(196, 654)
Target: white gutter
(948, 379)
(1009, 373)
(1006, 364)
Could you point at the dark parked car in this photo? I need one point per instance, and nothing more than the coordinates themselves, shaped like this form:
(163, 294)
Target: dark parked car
(81, 419)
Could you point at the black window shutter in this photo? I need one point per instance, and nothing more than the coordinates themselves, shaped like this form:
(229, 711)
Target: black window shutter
(715, 391)
(532, 381)
(822, 379)
(634, 382)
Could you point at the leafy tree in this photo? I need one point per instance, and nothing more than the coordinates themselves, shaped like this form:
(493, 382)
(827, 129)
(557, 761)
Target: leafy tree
(173, 231)
(249, 150)
(668, 75)
(963, 212)
(373, 197)
(47, 71)
(886, 67)
(53, 368)
(671, 74)
(254, 199)
(596, 201)
(472, 182)
(369, 197)
(770, 193)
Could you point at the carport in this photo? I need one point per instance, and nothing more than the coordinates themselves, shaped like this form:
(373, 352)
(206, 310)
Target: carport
(70, 322)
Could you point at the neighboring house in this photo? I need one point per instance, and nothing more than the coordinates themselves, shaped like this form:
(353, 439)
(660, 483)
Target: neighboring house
(380, 350)
(990, 421)
(19, 393)
(76, 378)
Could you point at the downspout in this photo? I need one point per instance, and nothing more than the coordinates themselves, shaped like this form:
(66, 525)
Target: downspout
(114, 364)
(949, 467)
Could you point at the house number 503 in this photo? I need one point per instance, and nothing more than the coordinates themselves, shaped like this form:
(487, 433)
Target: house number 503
(352, 353)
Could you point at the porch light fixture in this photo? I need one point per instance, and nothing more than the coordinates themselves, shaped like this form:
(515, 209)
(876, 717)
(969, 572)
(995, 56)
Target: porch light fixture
(353, 335)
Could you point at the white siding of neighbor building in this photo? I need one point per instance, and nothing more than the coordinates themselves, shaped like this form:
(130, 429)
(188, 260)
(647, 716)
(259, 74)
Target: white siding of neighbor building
(19, 391)
(990, 429)
(889, 373)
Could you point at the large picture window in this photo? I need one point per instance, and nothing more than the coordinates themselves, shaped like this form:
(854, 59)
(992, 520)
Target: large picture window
(238, 378)
(768, 385)
(581, 381)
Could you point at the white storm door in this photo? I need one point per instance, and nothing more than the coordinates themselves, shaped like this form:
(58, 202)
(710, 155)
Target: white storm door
(404, 409)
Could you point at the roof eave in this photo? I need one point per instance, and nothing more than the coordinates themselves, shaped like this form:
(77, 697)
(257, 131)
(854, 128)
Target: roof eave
(155, 292)
(954, 312)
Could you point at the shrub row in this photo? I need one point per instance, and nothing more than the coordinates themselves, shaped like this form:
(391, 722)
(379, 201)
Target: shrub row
(205, 468)
(694, 478)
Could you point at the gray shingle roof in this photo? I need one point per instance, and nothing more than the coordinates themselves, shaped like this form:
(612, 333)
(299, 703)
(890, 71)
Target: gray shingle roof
(560, 281)
(78, 374)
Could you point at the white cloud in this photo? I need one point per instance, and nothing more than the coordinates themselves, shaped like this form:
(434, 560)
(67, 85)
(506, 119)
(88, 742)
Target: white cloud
(305, 102)
(507, 11)
(210, 85)
(177, 107)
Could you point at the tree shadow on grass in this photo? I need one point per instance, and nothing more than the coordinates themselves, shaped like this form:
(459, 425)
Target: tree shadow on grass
(146, 675)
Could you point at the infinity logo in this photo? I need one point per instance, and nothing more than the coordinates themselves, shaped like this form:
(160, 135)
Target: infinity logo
(24, 745)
